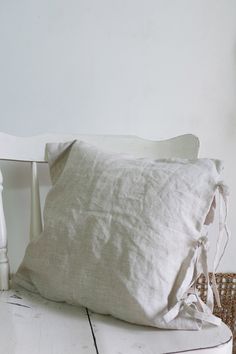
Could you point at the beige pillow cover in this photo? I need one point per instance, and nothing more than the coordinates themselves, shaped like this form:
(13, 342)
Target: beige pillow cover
(124, 236)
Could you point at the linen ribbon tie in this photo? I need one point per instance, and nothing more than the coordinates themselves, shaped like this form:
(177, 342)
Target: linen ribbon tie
(189, 301)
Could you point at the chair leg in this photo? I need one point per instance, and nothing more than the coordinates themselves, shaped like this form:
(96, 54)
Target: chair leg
(4, 263)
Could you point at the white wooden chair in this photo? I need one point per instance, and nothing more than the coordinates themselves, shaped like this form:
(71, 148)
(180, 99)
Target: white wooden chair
(31, 324)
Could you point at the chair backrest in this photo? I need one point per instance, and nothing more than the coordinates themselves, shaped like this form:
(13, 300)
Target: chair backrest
(32, 149)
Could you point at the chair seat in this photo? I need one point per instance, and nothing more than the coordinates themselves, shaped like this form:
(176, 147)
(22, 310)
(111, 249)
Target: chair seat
(32, 324)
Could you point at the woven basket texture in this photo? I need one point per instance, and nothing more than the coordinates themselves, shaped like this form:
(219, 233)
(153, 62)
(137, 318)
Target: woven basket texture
(226, 283)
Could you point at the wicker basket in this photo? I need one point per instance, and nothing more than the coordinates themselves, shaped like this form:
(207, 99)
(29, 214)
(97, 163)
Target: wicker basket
(226, 283)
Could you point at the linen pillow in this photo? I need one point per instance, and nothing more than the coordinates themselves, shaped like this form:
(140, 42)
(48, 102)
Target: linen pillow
(124, 236)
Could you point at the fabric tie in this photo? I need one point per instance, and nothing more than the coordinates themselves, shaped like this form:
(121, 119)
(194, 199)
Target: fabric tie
(189, 300)
(223, 228)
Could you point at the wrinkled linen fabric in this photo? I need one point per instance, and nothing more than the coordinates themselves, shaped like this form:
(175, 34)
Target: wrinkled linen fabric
(121, 234)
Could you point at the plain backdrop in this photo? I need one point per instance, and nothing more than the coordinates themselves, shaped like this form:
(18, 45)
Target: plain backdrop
(152, 68)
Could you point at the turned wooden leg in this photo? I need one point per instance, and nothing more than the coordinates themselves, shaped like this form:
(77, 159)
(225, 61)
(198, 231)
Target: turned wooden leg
(4, 264)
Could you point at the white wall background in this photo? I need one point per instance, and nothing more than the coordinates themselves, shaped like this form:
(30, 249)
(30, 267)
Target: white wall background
(154, 68)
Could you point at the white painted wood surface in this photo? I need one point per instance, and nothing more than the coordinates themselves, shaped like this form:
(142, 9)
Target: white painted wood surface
(32, 148)
(30, 324)
(114, 336)
(44, 327)
(35, 212)
(4, 263)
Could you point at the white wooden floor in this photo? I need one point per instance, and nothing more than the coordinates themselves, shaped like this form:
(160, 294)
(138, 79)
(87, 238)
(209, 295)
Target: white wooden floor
(31, 324)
